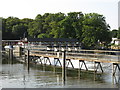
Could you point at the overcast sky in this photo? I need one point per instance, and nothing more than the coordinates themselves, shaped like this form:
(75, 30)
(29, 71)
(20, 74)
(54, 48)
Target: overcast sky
(30, 8)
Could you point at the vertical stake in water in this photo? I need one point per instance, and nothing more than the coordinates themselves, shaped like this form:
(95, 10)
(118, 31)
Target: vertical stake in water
(64, 66)
(10, 54)
(25, 58)
(28, 62)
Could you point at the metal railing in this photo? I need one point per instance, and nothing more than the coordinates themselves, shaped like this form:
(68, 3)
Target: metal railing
(88, 55)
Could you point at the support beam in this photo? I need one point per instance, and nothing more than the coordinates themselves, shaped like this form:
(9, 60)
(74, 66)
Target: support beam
(25, 58)
(35, 58)
(64, 67)
(28, 59)
(83, 62)
(115, 66)
(47, 59)
(57, 62)
(40, 60)
(69, 61)
(115, 80)
(98, 65)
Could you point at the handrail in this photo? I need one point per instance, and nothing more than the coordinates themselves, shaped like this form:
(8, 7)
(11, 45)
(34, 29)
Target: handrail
(83, 55)
(97, 51)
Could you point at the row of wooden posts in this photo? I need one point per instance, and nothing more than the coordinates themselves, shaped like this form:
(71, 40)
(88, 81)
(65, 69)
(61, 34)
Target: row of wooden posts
(63, 67)
(115, 65)
(10, 54)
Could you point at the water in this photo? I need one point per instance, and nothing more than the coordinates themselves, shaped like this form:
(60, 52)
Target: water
(16, 75)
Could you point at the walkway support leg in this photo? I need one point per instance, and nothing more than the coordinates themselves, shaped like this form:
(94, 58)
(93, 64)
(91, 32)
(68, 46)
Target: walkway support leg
(115, 66)
(83, 62)
(98, 65)
(69, 61)
(64, 67)
(28, 59)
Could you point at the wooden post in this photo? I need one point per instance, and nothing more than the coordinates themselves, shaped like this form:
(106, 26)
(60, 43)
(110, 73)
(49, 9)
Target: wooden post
(94, 71)
(28, 62)
(10, 54)
(64, 66)
(25, 58)
(58, 54)
(79, 71)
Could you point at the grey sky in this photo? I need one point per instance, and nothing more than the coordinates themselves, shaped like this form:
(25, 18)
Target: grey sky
(119, 14)
(30, 8)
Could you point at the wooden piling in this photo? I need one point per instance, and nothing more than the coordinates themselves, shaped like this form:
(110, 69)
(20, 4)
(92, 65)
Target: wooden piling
(25, 58)
(64, 67)
(28, 59)
(10, 54)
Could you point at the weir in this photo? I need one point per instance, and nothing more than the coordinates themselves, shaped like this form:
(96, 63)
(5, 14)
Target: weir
(64, 58)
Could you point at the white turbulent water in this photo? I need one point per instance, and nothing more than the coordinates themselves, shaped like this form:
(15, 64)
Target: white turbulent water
(17, 76)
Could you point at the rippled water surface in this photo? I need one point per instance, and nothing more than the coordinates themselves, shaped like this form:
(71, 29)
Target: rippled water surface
(16, 75)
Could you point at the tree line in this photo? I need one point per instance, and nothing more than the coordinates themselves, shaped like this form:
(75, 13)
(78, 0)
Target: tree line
(90, 29)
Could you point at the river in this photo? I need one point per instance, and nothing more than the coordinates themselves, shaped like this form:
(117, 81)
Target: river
(16, 75)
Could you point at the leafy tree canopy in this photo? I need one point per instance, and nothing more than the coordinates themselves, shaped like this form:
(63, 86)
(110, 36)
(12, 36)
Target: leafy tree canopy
(90, 29)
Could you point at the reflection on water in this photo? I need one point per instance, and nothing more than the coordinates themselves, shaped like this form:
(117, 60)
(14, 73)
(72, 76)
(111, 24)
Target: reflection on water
(16, 75)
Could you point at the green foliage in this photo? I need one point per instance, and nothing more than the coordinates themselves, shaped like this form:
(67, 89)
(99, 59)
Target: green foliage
(118, 33)
(114, 33)
(43, 35)
(72, 25)
(19, 30)
(88, 29)
(35, 27)
(14, 28)
(7, 25)
(95, 29)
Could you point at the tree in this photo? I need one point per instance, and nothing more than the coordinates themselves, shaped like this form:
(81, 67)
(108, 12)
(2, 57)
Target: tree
(90, 29)
(95, 29)
(19, 30)
(26, 22)
(55, 25)
(4, 34)
(35, 27)
(114, 33)
(71, 25)
(76, 23)
(43, 35)
(7, 27)
(118, 33)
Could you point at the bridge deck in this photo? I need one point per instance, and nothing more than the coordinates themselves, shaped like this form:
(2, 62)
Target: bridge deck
(79, 56)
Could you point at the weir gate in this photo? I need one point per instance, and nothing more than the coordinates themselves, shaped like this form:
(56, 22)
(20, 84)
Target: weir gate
(65, 58)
